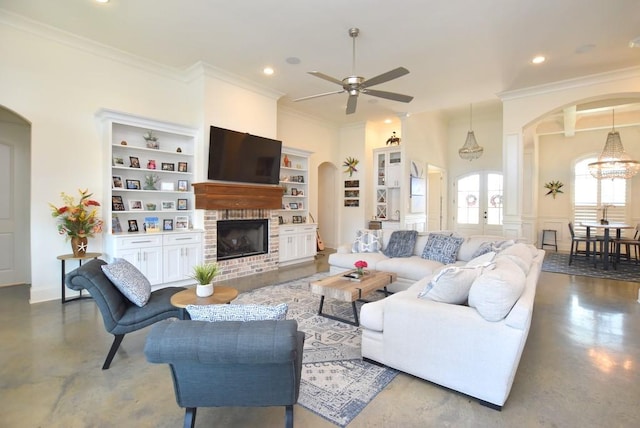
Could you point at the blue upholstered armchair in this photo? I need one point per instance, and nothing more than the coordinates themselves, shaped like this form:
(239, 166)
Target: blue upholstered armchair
(230, 363)
(120, 316)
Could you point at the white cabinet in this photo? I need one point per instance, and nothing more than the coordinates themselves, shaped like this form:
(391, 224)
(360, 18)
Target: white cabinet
(388, 179)
(181, 252)
(143, 251)
(297, 243)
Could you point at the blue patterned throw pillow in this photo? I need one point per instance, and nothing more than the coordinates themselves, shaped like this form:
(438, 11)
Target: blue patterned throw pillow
(129, 280)
(442, 248)
(214, 313)
(401, 243)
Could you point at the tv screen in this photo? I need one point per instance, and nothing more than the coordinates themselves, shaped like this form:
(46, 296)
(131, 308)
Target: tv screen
(241, 157)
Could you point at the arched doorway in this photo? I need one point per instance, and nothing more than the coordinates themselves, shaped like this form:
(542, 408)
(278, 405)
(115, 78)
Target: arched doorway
(327, 206)
(15, 173)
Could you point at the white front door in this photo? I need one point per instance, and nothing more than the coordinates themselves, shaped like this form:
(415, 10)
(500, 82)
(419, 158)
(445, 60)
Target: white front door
(478, 204)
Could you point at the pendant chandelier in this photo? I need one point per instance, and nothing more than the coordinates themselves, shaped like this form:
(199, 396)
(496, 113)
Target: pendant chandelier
(471, 150)
(614, 162)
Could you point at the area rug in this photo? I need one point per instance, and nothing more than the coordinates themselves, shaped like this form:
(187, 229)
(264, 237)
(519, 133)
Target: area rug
(559, 263)
(336, 383)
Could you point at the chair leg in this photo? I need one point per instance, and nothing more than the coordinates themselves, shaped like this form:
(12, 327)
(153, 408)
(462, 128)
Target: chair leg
(571, 253)
(289, 416)
(117, 340)
(190, 417)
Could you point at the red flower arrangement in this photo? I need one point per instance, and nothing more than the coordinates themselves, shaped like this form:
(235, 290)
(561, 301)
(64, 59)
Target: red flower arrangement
(360, 265)
(77, 220)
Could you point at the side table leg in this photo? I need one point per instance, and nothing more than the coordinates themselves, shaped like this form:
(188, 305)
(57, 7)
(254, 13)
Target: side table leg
(321, 304)
(62, 281)
(355, 314)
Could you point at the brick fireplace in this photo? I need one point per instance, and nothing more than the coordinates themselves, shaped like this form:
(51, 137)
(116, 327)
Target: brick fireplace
(223, 202)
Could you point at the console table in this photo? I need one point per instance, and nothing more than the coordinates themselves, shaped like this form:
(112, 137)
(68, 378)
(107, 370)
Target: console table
(63, 275)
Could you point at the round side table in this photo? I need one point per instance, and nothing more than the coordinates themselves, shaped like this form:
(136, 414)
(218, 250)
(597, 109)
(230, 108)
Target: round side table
(221, 295)
(63, 260)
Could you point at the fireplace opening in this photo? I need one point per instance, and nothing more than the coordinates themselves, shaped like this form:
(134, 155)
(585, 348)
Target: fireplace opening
(242, 238)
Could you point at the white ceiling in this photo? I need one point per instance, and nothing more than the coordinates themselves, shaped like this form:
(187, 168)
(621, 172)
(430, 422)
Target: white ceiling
(458, 51)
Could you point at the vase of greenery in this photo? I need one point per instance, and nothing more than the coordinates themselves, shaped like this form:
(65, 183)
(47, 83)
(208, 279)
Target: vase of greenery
(204, 275)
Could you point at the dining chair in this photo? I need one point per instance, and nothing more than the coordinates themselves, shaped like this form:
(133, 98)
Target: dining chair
(628, 244)
(575, 245)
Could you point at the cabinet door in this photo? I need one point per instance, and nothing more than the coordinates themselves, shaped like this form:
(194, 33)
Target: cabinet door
(132, 256)
(151, 264)
(172, 263)
(310, 246)
(394, 175)
(191, 256)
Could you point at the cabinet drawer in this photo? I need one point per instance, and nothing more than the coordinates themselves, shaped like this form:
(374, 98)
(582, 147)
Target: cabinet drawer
(139, 241)
(182, 238)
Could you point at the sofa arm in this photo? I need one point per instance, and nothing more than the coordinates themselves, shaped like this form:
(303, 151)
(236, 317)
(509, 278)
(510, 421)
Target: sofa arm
(251, 342)
(344, 249)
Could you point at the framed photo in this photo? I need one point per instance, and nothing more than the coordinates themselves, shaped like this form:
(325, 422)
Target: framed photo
(294, 191)
(167, 224)
(135, 205)
(117, 182)
(352, 202)
(182, 204)
(352, 183)
(183, 185)
(167, 166)
(280, 220)
(167, 186)
(133, 226)
(181, 223)
(352, 193)
(116, 203)
(118, 161)
(297, 219)
(152, 224)
(168, 205)
(182, 167)
(133, 184)
(293, 205)
(134, 162)
(115, 224)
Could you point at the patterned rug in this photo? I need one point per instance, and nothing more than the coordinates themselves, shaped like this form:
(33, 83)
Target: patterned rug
(336, 383)
(559, 263)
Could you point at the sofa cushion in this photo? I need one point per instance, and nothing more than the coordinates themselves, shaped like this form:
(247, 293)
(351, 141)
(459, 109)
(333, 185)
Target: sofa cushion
(129, 280)
(521, 254)
(412, 268)
(367, 241)
(347, 260)
(473, 243)
(214, 313)
(494, 292)
(401, 243)
(482, 259)
(442, 248)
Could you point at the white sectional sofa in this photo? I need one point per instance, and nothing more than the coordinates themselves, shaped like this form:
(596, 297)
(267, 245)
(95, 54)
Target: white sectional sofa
(473, 347)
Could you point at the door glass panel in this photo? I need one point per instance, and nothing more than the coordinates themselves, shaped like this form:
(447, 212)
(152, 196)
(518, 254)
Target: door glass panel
(468, 201)
(494, 199)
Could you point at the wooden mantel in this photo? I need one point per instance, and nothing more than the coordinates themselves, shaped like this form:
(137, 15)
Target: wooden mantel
(228, 196)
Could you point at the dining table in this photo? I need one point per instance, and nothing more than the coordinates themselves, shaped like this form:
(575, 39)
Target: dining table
(607, 236)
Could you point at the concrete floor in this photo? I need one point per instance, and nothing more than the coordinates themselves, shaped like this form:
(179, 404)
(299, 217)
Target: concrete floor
(580, 368)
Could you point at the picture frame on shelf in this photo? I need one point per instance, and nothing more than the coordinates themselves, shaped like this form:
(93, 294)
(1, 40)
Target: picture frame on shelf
(352, 193)
(133, 226)
(167, 186)
(181, 222)
(134, 162)
(183, 185)
(151, 224)
(352, 202)
(168, 205)
(117, 182)
(182, 204)
(182, 166)
(296, 219)
(352, 183)
(293, 205)
(116, 227)
(118, 161)
(167, 224)
(116, 203)
(168, 166)
(133, 184)
(300, 205)
(294, 191)
(135, 205)
(280, 219)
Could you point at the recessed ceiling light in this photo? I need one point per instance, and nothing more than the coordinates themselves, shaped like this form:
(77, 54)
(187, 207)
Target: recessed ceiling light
(538, 59)
(102, 1)
(293, 60)
(268, 71)
(387, 121)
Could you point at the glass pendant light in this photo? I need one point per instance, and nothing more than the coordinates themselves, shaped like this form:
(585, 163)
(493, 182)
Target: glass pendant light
(614, 162)
(471, 150)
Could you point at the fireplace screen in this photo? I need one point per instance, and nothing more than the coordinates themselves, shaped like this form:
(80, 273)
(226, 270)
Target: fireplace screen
(242, 238)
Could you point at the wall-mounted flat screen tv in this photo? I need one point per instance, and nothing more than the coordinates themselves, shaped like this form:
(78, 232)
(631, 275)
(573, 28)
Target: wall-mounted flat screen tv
(244, 158)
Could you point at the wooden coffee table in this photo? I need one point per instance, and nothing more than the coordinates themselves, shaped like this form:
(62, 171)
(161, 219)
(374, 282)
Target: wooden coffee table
(221, 295)
(347, 290)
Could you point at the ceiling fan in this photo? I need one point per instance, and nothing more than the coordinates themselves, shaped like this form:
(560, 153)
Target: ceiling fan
(355, 85)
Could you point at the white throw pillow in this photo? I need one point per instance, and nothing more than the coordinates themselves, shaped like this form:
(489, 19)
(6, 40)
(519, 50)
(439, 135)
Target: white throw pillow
(213, 313)
(129, 280)
(452, 284)
(367, 241)
(520, 254)
(494, 292)
(482, 259)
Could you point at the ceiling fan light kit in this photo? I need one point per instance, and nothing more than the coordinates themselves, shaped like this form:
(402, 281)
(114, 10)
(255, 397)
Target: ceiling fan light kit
(355, 85)
(470, 150)
(614, 162)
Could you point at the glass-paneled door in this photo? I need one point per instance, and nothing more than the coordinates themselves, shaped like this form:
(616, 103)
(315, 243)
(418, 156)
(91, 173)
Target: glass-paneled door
(478, 202)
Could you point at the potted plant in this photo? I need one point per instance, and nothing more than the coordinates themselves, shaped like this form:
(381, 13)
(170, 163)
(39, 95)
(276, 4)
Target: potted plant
(204, 275)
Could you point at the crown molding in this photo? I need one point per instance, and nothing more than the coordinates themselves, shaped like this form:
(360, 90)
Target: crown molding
(578, 82)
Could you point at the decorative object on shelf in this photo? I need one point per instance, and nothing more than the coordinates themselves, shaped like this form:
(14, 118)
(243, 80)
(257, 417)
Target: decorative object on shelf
(115, 224)
(152, 140)
(178, 150)
(150, 181)
(471, 150)
(351, 164)
(614, 162)
(204, 275)
(393, 139)
(605, 208)
(151, 164)
(151, 207)
(554, 187)
(286, 162)
(78, 221)
(360, 265)
(123, 143)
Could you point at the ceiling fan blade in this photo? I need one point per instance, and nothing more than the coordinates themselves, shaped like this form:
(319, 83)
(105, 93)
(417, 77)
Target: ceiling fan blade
(351, 104)
(388, 95)
(326, 77)
(319, 95)
(385, 77)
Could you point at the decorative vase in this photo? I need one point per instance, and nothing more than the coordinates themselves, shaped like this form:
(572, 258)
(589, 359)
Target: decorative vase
(360, 271)
(79, 246)
(203, 290)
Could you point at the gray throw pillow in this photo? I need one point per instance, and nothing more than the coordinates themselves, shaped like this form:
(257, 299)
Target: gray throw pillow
(401, 243)
(214, 313)
(129, 280)
(367, 241)
(442, 248)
